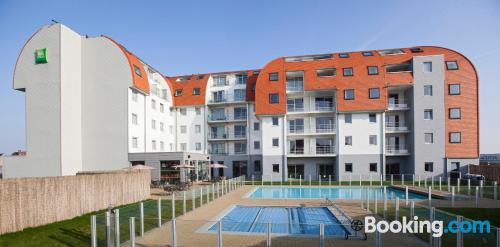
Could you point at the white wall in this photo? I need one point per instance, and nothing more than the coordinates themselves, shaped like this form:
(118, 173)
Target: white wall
(360, 129)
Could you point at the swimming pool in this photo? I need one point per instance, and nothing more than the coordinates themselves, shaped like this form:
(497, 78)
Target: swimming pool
(329, 192)
(284, 220)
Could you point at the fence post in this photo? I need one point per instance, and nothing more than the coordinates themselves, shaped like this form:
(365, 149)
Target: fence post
(108, 229)
(458, 185)
(359, 179)
(459, 233)
(396, 216)
(219, 234)
(413, 180)
(495, 190)
(131, 222)
(271, 180)
(173, 206)
(448, 184)
(370, 180)
(392, 179)
(385, 204)
(201, 196)
(193, 199)
(376, 206)
(158, 205)
(425, 182)
(300, 180)
(213, 192)
(377, 239)
(93, 231)
(117, 227)
(468, 186)
(402, 179)
(477, 197)
(183, 202)
(208, 194)
(268, 239)
(453, 196)
(367, 200)
(218, 190)
(412, 209)
(430, 196)
(362, 191)
(418, 180)
(432, 182)
(381, 179)
(431, 219)
(321, 234)
(141, 220)
(309, 179)
(481, 184)
(253, 179)
(174, 234)
(262, 180)
(329, 180)
(440, 188)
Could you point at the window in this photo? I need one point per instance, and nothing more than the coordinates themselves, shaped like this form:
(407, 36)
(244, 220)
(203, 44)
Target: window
(183, 129)
(240, 148)
(153, 104)
(197, 146)
(171, 146)
(348, 118)
(183, 111)
(390, 52)
(274, 76)
(349, 94)
(373, 167)
(416, 49)
(374, 93)
(373, 140)
(428, 90)
(429, 166)
(256, 145)
(196, 91)
(275, 121)
(162, 126)
(137, 70)
(256, 72)
(162, 145)
(256, 126)
(134, 119)
(197, 128)
(451, 65)
(274, 98)
(256, 166)
(454, 113)
(348, 71)
(240, 131)
(348, 167)
(372, 70)
(276, 168)
(153, 144)
(372, 117)
(428, 138)
(276, 142)
(178, 92)
(454, 89)
(197, 110)
(295, 104)
(326, 72)
(427, 66)
(183, 146)
(399, 67)
(241, 79)
(135, 142)
(239, 95)
(428, 114)
(348, 140)
(220, 80)
(367, 53)
(162, 108)
(344, 55)
(455, 137)
(134, 96)
(308, 58)
(199, 77)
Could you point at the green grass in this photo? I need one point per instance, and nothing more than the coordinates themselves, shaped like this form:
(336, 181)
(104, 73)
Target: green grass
(491, 214)
(76, 231)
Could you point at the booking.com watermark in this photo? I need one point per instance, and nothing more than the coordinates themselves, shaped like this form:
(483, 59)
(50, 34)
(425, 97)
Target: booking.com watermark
(436, 227)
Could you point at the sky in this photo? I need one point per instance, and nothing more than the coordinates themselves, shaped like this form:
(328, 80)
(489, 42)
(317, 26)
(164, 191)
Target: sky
(186, 37)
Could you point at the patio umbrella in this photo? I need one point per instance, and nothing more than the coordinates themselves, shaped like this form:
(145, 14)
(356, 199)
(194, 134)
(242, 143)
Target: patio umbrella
(217, 166)
(138, 167)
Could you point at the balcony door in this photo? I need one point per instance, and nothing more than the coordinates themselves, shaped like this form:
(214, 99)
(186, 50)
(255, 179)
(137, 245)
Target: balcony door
(239, 168)
(326, 171)
(393, 99)
(296, 125)
(296, 171)
(218, 96)
(393, 142)
(296, 146)
(392, 120)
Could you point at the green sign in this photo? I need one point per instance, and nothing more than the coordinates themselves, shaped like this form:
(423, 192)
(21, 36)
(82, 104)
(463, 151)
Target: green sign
(41, 56)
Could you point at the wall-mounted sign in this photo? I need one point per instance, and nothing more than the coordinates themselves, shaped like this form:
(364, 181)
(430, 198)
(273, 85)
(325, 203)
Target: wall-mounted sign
(41, 56)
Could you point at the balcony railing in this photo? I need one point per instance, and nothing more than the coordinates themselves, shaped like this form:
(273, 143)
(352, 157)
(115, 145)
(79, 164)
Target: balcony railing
(218, 152)
(318, 107)
(319, 129)
(240, 151)
(227, 117)
(398, 104)
(324, 106)
(227, 98)
(295, 108)
(396, 150)
(318, 150)
(295, 86)
(396, 126)
(226, 136)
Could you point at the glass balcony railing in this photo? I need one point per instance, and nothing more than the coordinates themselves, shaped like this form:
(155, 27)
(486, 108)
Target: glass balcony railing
(318, 150)
(318, 129)
(295, 86)
(396, 149)
(396, 126)
(398, 104)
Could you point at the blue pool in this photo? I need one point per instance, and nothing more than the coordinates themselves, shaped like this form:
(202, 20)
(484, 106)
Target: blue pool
(329, 192)
(284, 220)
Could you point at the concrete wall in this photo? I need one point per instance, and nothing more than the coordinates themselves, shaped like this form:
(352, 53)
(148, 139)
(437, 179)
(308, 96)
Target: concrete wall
(30, 202)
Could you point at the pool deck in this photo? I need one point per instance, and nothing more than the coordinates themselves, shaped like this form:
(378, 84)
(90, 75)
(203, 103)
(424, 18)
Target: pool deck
(189, 234)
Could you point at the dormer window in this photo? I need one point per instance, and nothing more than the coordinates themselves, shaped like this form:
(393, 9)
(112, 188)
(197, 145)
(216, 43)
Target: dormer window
(367, 53)
(178, 92)
(344, 55)
(196, 91)
(137, 70)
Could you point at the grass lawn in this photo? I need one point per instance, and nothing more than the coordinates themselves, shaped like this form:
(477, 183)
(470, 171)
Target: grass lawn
(76, 231)
(491, 214)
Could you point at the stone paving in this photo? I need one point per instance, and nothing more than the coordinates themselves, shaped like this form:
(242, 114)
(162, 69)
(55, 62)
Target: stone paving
(189, 234)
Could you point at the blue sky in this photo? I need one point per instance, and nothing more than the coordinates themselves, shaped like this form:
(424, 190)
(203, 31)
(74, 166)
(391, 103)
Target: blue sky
(186, 37)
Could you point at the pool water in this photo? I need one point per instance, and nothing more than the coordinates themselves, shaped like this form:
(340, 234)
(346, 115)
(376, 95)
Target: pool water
(284, 220)
(330, 192)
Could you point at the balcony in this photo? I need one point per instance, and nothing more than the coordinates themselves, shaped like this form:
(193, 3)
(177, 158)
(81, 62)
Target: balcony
(227, 99)
(314, 151)
(294, 86)
(396, 127)
(227, 136)
(398, 105)
(394, 150)
(226, 118)
(317, 108)
(218, 152)
(320, 129)
(324, 106)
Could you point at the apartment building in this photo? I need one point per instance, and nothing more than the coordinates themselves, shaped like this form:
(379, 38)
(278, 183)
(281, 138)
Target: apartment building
(367, 113)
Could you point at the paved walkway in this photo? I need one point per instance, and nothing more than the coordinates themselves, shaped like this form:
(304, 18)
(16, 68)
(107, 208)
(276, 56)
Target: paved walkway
(188, 226)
